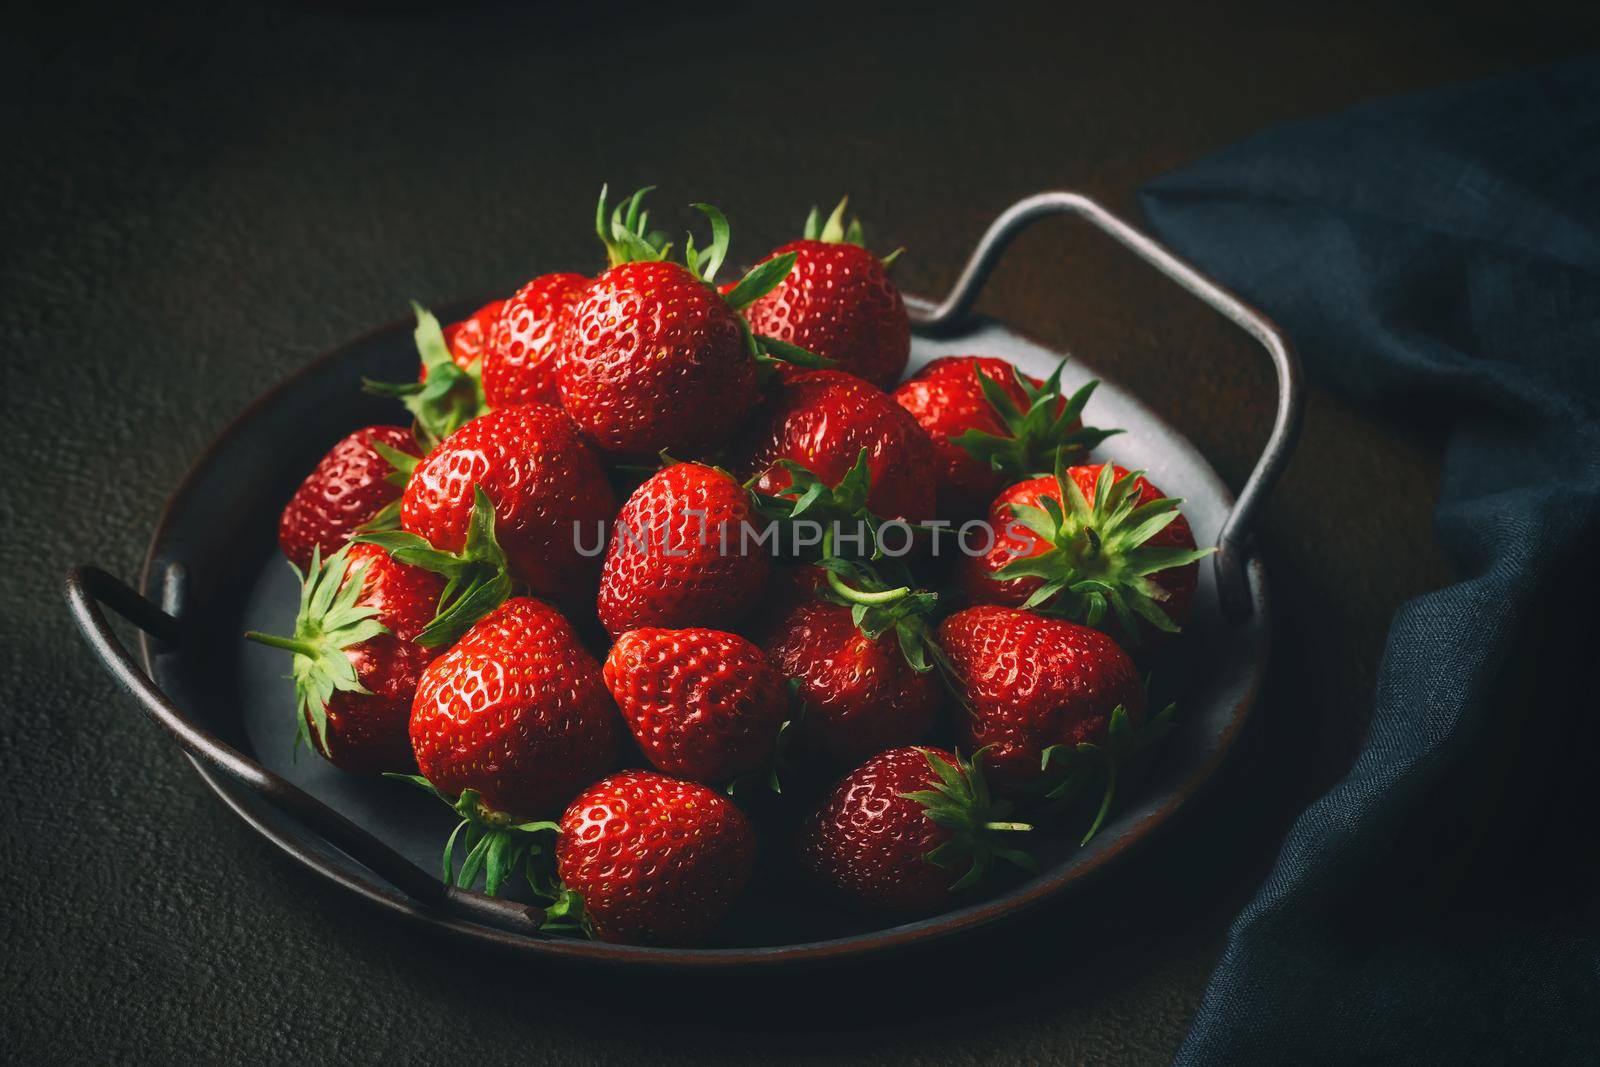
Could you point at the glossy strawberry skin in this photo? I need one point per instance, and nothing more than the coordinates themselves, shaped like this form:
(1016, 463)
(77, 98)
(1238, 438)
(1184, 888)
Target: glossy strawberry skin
(654, 359)
(368, 733)
(1013, 541)
(468, 340)
(531, 462)
(839, 303)
(406, 597)
(860, 694)
(703, 704)
(822, 420)
(657, 860)
(347, 488)
(517, 710)
(866, 844)
(679, 556)
(947, 401)
(1030, 682)
(520, 359)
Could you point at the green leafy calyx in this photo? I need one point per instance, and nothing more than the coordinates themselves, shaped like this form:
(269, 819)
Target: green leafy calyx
(328, 622)
(1075, 769)
(498, 847)
(808, 496)
(834, 231)
(959, 800)
(447, 398)
(477, 579)
(1035, 434)
(883, 599)
(625, 231)
(1099, 559)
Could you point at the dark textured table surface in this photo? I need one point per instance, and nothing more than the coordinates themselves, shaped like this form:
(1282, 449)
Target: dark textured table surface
(193, 208)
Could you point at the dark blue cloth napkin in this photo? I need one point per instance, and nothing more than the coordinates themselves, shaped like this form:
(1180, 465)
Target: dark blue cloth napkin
(1436, 259)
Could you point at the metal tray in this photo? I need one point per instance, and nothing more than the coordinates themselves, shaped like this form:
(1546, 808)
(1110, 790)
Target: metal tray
(213, 571)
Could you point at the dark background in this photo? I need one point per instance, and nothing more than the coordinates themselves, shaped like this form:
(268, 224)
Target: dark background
(193, 206)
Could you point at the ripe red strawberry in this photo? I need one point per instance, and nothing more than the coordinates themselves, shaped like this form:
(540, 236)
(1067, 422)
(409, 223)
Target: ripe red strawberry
(990, 424)
(865, 680)
(1030, 682)
(516, 711)
(679, 554)
(654, 859)
(519, 358)
(703, 704)
(907, 832)
(507, 726)
(543, 485)
(356, 663)
(468, 339)
(1096, 544)
(822, 420)
(839, 303)
(347, 489)
(654, 358)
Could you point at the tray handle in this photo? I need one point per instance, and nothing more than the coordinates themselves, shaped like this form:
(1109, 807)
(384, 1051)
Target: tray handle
(1232, 541)
(90, 588)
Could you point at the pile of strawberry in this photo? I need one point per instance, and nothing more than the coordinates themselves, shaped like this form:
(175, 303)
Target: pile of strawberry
(584, 600)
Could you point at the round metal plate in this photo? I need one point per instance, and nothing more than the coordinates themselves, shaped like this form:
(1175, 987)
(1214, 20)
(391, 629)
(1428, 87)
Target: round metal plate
(220, 525)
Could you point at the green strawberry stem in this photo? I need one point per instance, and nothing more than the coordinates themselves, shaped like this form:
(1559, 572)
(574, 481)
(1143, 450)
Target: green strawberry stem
(327, 622)
(859, 596)
(959, 800)
(288, 644)
(878, 606)
(1099, 559)
(477, 579)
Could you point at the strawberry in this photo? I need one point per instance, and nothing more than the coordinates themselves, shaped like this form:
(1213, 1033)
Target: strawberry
(503, 500)
(516, 710)
(468, 340)
(507, 726)
(838, 302)
(861, 657)
(822, 421)
(896, 833)
(678, 554)
(519, 358)
(990, 424)
(447, 394)
(703, 704)
(654, 357)
(356, 663)
(348, 488)
(1029, 682)
(654, 860)
(1085, 541)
